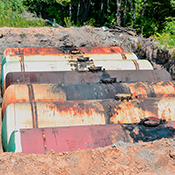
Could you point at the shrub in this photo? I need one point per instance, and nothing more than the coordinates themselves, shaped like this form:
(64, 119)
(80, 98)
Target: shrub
(167, 37)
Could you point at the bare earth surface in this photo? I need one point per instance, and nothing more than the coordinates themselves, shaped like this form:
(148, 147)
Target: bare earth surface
(150, 158)
(142, 158)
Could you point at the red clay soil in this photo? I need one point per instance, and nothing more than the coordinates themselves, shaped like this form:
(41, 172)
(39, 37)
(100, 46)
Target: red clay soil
(124, 159)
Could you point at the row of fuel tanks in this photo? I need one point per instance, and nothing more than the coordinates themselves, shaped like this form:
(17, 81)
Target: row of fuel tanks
(79, 98)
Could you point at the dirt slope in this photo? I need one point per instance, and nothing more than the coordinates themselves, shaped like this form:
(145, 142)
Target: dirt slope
(142, 158)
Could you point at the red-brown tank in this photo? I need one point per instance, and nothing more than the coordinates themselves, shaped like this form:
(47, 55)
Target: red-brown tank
(62, 139)
(84, 77)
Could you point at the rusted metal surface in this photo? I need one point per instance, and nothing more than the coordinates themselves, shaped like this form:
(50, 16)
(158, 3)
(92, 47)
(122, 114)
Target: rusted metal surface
(87, 137)
(103, 49)
(87, 91)
(71, 57)
(87, 112)
(38, 54)
(84, 77)
(51, 66)
(74, 138)
(63, 54)
(21, 93)
(153, 89)
(67, 138)
(124, 64)
(58, 51)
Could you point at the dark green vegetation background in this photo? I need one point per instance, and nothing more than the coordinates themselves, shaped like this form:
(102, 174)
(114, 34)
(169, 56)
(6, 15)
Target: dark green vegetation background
(152, 18)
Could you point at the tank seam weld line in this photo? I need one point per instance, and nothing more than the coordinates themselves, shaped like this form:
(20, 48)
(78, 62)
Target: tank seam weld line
(33, 106)
(136, 64)
(44, 140)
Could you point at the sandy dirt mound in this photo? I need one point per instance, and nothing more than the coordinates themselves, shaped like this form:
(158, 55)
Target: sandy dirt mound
(87, 36)
(142, 158)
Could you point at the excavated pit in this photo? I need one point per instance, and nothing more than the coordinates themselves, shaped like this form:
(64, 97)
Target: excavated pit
(149, 158)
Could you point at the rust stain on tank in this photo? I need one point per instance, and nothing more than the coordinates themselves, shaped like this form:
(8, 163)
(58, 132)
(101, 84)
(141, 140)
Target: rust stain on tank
(78, 107)
(165, 88)
(76, 77)
(60, 51)
(102, 49)
(89, 91)
(33, 51)
(153, 89)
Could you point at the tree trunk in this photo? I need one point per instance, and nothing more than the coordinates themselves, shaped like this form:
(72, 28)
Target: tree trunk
(133, 12)
(74, 12)
(78, 11)
(107, 8)
(143, 9)
(62, 15)
(118, 13)
(102, 12)
(85, 10)
(130, 1)
(70, 9)
(125, 11)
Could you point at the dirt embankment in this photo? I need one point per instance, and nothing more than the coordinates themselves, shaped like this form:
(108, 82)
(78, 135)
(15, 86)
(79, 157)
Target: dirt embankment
(142, 158)
(86, 36)
(151, 158)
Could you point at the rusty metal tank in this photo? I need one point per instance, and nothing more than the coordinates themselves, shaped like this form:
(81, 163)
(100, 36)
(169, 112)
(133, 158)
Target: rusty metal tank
(78, 65)
(59, 51)
(65, 57)
(106, 88)
(84, 76)
(78, 113)
(40, 54)
(63, 139)
(30, 107)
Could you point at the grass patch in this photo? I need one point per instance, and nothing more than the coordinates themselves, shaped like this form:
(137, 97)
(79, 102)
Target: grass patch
(11, 15)
(22, 35)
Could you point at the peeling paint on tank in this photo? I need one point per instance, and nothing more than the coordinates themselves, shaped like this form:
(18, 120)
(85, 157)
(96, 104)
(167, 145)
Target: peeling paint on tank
(166, 109)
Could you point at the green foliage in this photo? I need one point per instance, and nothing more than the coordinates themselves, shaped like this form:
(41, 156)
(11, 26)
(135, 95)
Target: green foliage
(172, 3)
(111, 20)
(11, 15)
(14, 5)
(147, 25)
(47, 1)
(157, 20)
(170, 26)
(67, 21)
(173, 53)
(22, 35)
(167, 37)
(90, 22)
(62, 1)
